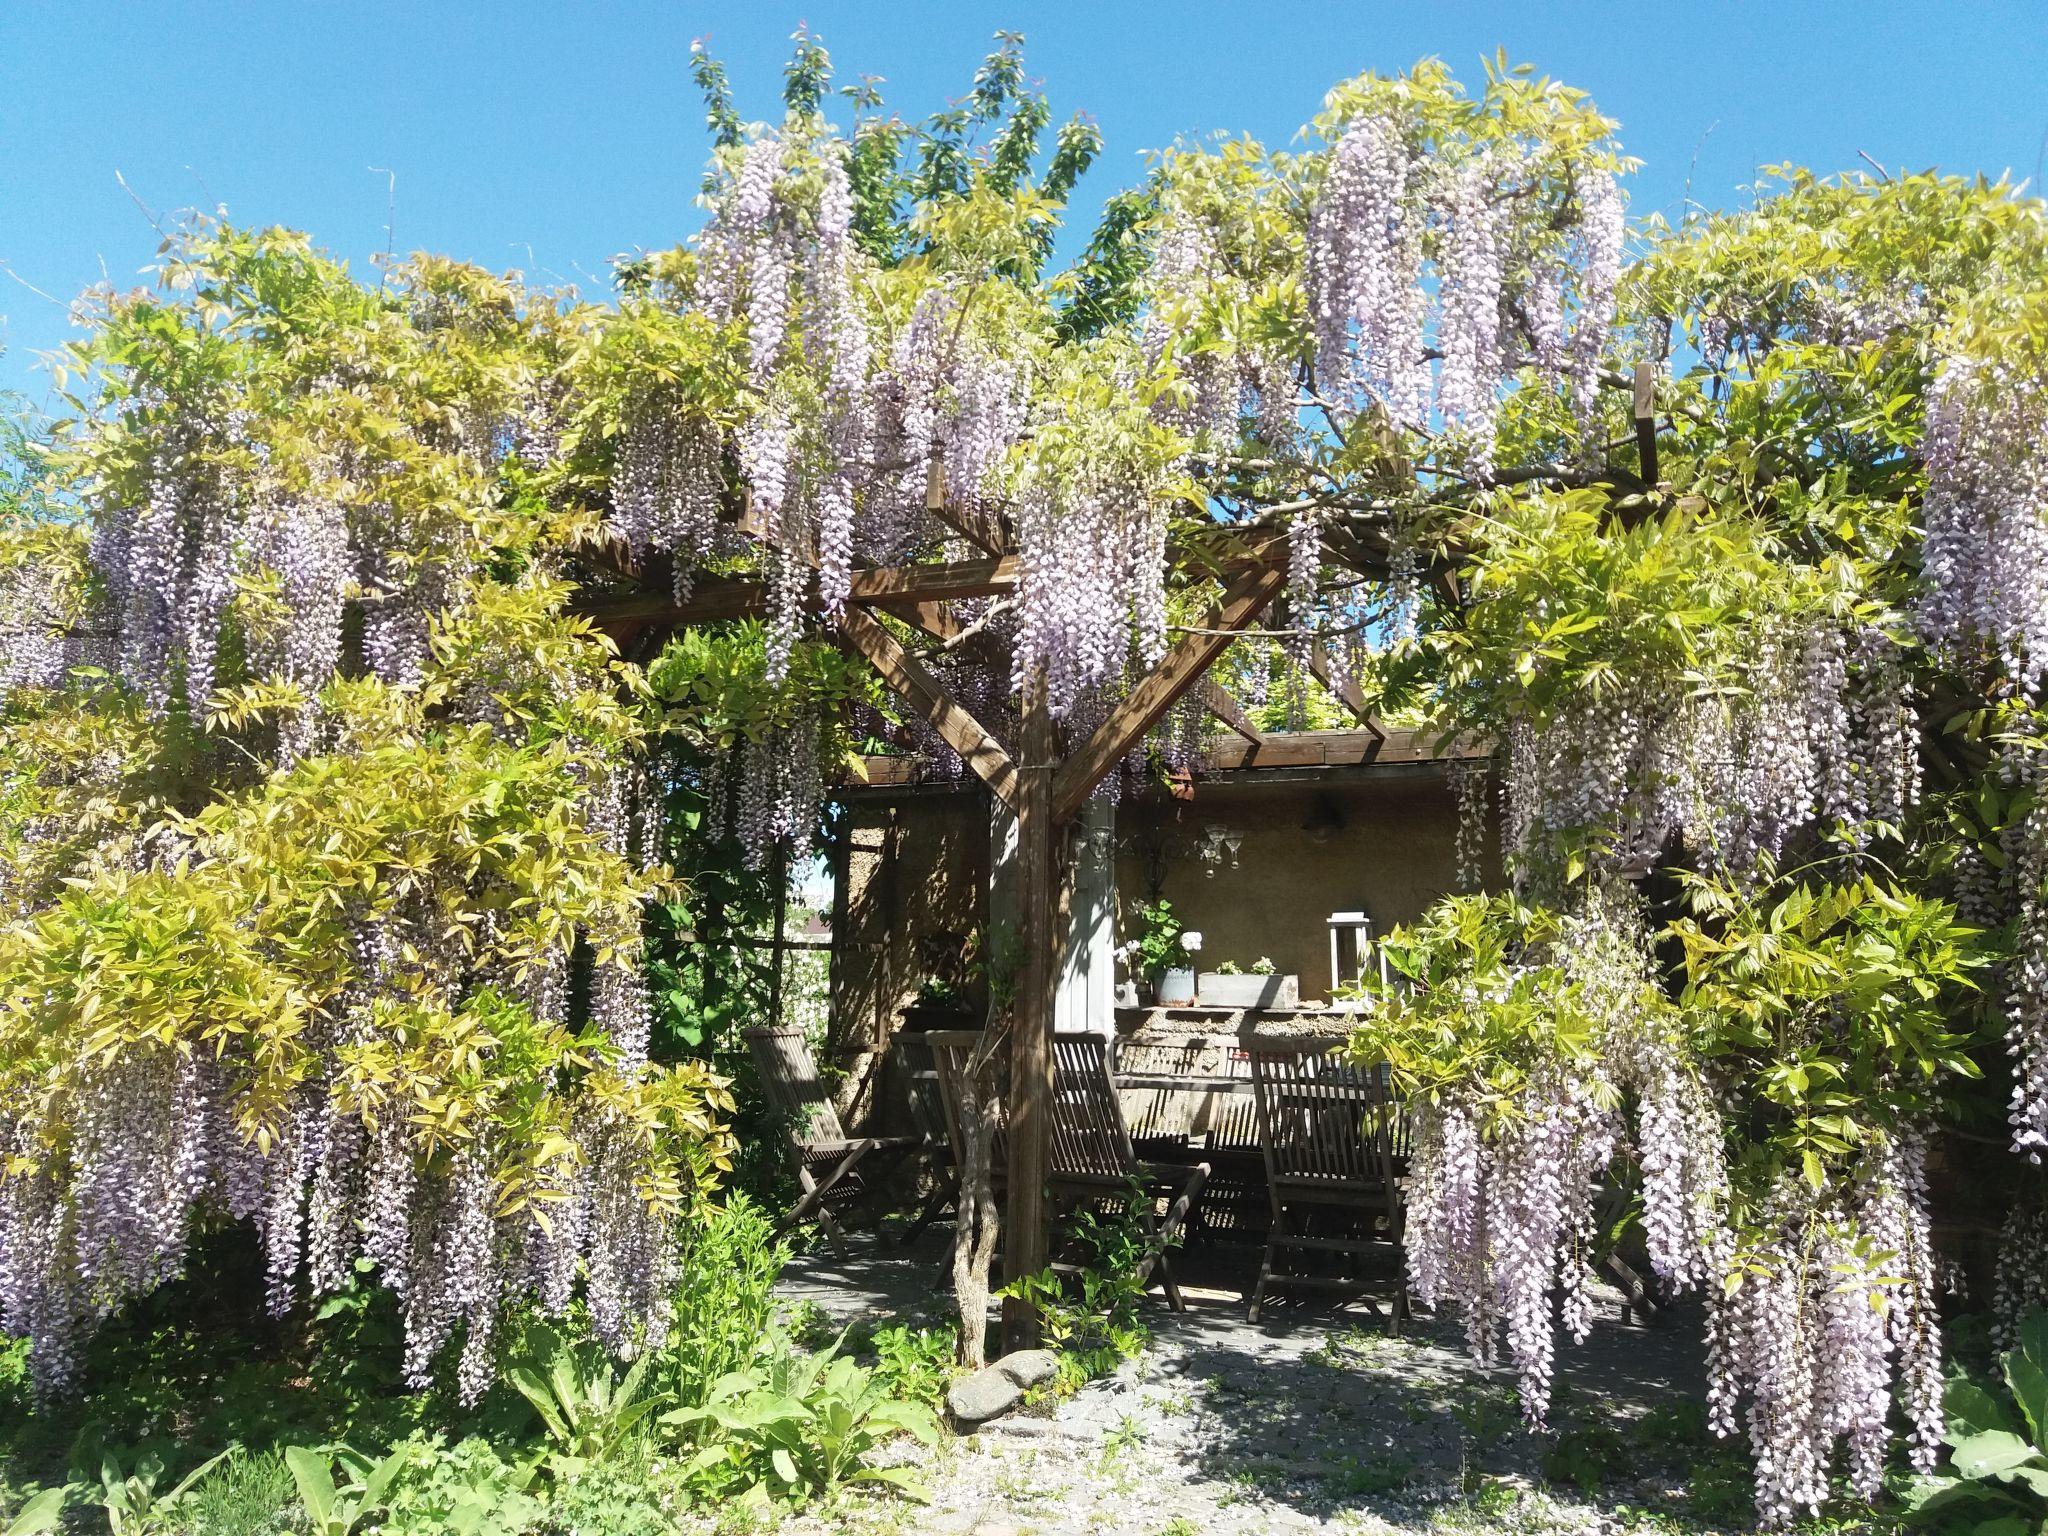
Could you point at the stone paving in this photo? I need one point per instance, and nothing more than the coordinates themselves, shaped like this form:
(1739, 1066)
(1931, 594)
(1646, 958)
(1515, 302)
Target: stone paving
(1314, 1419)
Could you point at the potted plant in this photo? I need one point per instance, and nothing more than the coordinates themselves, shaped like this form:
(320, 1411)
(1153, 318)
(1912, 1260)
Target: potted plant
(1231, 985)
(949, 962)
(1159, 953)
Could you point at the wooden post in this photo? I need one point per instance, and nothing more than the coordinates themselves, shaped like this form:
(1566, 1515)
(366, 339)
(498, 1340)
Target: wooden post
(1030, 1129)
(1646, 421)
(781, 931)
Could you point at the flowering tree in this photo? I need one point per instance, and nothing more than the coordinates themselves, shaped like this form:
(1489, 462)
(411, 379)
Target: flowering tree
(328, 813)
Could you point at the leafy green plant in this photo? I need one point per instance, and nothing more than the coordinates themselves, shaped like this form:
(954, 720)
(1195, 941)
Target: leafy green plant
(247, 1496)
(1996, 1483)
(587, 1409)
(724, 1298)
(466, 1489)
(39, 1513)
(915, 1364)
(1090, 1318)
(1156, 947)
(130, 1498)
(337, 1508)
(797, 1426)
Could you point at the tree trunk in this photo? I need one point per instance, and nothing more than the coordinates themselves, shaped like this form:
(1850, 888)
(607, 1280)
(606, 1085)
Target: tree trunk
(978, 1223)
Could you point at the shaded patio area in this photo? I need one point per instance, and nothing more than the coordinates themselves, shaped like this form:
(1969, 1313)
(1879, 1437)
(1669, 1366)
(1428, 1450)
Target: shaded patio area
(1313, 1419)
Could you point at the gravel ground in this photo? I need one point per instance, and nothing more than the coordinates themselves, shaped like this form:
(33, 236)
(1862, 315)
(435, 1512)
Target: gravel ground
(1313, 1420)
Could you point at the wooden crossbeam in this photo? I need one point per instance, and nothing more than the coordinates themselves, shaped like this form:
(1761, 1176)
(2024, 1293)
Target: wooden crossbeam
(984, 532)
(719, 598)
(914, 683)
(1250, 590)
(989, 576)
(1218, 702)
(934, 618)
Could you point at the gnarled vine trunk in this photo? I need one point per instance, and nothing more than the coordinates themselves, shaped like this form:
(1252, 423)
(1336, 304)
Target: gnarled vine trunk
(978, 1223)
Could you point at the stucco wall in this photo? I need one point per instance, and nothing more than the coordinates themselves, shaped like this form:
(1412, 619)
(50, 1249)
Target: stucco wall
(918, 868)
(916, 872)
(1392, 855)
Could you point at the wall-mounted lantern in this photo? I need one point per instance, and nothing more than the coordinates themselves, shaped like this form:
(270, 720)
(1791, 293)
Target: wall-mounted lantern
(1352, 949)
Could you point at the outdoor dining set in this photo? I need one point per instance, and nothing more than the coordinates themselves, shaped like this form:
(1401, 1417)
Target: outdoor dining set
(1184, 1134)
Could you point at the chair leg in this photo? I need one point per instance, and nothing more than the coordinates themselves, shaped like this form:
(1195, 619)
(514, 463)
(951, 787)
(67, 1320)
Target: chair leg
(1274, 1234)
(815, 1191)
(935, 1202)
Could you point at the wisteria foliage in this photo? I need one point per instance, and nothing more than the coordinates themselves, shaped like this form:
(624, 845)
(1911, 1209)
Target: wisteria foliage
(313, 798)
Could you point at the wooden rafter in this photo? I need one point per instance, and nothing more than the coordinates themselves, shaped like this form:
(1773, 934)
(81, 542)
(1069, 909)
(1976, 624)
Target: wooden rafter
(1250, 590)
(1345, 688)
(719, 598)
(1218, 702)
(989, 576)
(979, 529)
(914, 683)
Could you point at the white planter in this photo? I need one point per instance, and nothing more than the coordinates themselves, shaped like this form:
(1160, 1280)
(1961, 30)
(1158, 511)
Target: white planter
(1173, 988)
(1218, 990)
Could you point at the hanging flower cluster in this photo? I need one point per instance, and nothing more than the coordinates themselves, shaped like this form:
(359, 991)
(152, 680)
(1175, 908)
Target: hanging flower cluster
(294, 1092)
(1822, 731)
(860, 412)
(1820, 1288)
(1837, 1302)
(331, 997)
(1508, 290)
(1090, 500)
(1984, 563)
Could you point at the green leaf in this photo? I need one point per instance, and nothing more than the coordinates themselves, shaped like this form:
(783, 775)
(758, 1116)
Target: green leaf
(315, 1481)
(2026, 1372)
(1992, 1452)
(1972, 1410)
(41, 1513)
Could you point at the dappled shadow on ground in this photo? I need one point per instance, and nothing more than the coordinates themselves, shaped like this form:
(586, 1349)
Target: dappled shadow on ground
(1318, 1411)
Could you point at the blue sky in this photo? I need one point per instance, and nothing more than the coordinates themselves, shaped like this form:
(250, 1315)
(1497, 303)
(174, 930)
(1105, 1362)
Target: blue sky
(552, 137)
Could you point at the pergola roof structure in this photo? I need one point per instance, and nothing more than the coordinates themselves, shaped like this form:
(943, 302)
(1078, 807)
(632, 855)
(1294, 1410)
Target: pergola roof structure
(1043, 786)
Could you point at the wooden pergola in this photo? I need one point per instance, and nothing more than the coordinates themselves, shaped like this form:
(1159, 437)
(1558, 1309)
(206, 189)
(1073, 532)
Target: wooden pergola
(1041, 785)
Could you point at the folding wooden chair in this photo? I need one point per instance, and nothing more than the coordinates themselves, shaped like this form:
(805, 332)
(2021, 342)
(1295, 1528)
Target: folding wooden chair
(934, 1129)
(1092, 1159)
(824, 1156)
(1331, 1130)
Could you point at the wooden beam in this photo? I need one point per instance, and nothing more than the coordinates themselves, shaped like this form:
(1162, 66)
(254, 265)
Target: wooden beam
(1345, 688)
(719, 598)
(914, 683)
(1179, 670)
(978, 530)
(1331, 749)
(1029, 1131)
(984, 577)
(1230, 753)
(1220, 704)
(1645, 383)
(934, 618)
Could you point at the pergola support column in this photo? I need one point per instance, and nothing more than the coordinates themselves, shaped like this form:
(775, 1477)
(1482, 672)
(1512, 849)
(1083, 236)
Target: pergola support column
(1030, 1126)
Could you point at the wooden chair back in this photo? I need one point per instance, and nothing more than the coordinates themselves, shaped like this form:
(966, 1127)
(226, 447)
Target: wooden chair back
(1327, 1124)
(1089, 1138)
(927, 1097)
(793, 1086)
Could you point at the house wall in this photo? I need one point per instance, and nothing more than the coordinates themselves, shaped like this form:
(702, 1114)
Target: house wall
(914, 883)
(917, 872)
(1393, 854)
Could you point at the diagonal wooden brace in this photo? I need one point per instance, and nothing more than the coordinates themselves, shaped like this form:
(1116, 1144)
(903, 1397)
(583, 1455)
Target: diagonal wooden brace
(1250, 590)
(913, 682)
